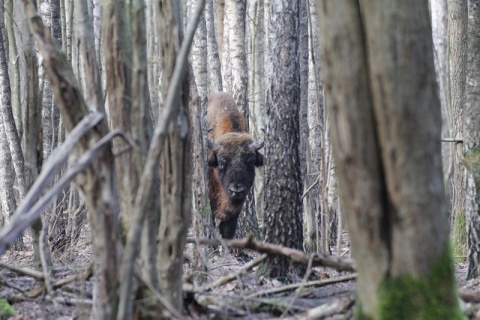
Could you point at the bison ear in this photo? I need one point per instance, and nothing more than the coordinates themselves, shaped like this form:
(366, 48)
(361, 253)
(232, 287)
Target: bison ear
(212, 153)
(259, 159)
(212, 145)
(212, 158)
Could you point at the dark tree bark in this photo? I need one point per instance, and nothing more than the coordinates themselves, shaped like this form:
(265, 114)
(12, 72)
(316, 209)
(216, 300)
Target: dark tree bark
(283, 185)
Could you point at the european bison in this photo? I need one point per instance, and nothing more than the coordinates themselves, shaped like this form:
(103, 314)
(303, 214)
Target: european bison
(232, 158)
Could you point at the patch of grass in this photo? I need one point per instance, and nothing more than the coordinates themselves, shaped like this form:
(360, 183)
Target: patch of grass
(6, 310)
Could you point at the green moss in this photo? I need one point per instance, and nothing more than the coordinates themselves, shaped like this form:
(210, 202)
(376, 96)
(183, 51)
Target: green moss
(459, 237)
(6, 310)
(429, 298)
(472, 161)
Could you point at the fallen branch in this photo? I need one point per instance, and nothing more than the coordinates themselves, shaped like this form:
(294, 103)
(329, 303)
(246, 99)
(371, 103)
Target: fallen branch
(295, 255)
(23, 271)
(315, 283)
(40, 275)
(78, 277)
(224, 280)
(325, 310)
(7, 283)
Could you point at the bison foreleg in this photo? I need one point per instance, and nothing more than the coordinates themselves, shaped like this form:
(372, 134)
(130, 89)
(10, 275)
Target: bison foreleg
(228, 227)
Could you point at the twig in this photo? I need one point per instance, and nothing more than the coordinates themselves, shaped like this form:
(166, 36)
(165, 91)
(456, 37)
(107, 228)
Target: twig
(169, 308)
(224, 280)
(452, 140)
(69, 301)
(11, 285)
(297, 291)
(315, 283)
(25, 216)
(78, 277)
(310, 188)
(295, 255)
(23, 271)
(325, 310)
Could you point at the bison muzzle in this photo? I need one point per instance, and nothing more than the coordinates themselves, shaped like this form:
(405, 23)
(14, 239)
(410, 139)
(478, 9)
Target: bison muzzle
(232, 158)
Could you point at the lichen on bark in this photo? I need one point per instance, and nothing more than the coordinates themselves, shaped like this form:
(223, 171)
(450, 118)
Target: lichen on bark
(425, 298)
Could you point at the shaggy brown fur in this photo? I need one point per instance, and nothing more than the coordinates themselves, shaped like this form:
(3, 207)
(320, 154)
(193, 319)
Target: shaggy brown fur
(232, 157)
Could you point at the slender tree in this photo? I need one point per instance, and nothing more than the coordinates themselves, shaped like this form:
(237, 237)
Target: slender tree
(175, 164)
(256, 88)
(214, 68)
(457, 62)
(14, 70)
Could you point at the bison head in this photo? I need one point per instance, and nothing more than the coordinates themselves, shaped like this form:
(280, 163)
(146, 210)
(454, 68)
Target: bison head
(235, 155)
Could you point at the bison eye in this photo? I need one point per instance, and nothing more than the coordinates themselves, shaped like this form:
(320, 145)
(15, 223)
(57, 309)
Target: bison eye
(222, 164)
(251, 160)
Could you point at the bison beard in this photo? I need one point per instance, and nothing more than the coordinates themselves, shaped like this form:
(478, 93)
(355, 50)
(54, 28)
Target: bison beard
(232, 158)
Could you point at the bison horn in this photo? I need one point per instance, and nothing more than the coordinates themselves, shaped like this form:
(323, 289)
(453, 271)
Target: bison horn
(257, 145)
(212, 145)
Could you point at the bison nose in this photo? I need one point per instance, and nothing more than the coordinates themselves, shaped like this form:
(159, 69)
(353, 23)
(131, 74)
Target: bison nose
(237, 190)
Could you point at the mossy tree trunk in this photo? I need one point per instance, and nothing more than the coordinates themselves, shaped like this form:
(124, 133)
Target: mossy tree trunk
(379, 81)
(472, 139)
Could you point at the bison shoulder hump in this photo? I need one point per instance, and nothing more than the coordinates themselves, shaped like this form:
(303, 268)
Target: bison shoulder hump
(223, 115)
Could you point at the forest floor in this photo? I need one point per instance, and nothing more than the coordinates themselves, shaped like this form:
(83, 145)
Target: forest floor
(232, 288)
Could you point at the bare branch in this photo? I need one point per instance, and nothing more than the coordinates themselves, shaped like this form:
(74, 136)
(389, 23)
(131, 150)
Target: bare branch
(278, 250)
(451, 140)
(224, 280)
(25, 216)
(315, 283)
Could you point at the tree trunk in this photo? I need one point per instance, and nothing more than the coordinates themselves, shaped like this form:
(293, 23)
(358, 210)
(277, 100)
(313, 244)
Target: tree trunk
(7, 197)
(175, 165)
(98, 181)
(7, 113)
(14, 70)
(256, 89)
(214, 68)
(142, 130)
(283, 185)
(219, 7)
(472, 140)
(439, 16)
(202, 214)
(388, 156)
(457, 55)
(32, 144)
(118, 74)
(235, 14)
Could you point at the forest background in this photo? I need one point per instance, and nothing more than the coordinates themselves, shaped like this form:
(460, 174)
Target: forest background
(369, 112)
